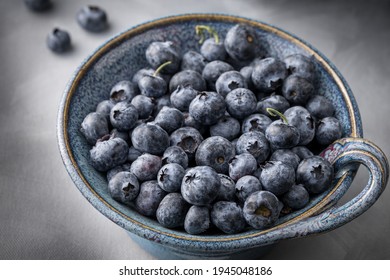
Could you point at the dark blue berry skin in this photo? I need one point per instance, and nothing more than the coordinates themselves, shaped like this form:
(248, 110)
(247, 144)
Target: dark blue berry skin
(241, 165)
(191, 122)
(187, 78)
(169, 177)
(144, 105)
(123, 187)
(246, 72)
(193, 60)
(328, 130)
(123, 91)
(146, 167)
(286, 156)
(149, 198)
(207, 107)
(245, 186)
(133, 154)
(94, 126)
(240, 103)
(320, 107)
(58, 41)
(296, 198)
(242, 43)
(281, 135)
(261, 209)
(158, 53)
(175, 154)
(123, 116)
(152, 86)
(38, 5)
(216, 152)
(226, 127)
(255, 143)
(255, 122)
(169, 119)
(172, 210)
(315, 173)
(181, 97)
(187, 138)
(297, 90)
(268, 74)
(303, 66)
(92, 18)
(140, 74)
(197, 220)
(228, 217)
(119, 168)
(302, 151)
(200, 185)
(229, 81)
(227, 191)
(104, 108)
(273, 101)
(213, 70)
(299, 117)
(277, 177)
(108, 153)
(160, 103)
(115, 133)
(211, 50)
(150, 138)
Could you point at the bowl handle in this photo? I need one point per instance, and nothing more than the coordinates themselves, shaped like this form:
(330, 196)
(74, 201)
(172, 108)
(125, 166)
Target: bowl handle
(342, 154)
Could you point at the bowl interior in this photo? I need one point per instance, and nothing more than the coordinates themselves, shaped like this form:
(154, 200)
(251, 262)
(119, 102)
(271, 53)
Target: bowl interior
(123, 55)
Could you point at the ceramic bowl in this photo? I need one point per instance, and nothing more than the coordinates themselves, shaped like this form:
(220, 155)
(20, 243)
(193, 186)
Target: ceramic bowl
(120, 57)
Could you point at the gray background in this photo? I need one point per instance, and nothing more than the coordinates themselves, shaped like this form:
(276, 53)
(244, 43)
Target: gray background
(44, 216)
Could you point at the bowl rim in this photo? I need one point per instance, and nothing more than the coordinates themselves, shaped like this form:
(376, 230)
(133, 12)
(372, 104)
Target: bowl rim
(225, 241)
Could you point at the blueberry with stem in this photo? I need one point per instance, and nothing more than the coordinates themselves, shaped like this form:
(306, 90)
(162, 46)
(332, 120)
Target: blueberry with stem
(154, 85)
(212, 48)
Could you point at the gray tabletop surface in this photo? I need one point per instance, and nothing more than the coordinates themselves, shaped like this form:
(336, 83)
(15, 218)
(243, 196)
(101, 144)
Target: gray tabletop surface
(44, 216)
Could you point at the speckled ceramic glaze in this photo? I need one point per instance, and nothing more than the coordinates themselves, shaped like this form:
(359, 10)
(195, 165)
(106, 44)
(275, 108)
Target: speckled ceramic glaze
(120, 57)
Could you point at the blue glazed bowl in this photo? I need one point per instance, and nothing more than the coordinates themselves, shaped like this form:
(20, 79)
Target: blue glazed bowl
(120, 57)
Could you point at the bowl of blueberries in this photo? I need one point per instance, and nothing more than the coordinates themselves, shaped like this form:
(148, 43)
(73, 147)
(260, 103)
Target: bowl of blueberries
(215, 136)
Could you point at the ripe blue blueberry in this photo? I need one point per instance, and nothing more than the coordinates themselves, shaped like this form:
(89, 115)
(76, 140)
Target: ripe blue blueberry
(320, 107)
(115, 170)
(301, 65)
(245, 186)
(268, 74)
(296, 198)
(104, 108)
(277, 177)
(226, 127)
(152, 86)
(213, 70)
(328, 130)
(182, 96)
(149, 198)
(187, 78)
(240, 103)
(169, 177)
(274, 101)
(123, 187)
(123, 116)
(255, 122)
(133, 154)
(150, 138)
(187, 138)
(229, 81)
(146, 167)
(227, 191)
(193, 60)
(228, 217)
(302, 151)
(169, 119)
(58, 40)
(255, 143)
(282, 135)
(197, 220)
(158, 53)
(144, 105)
(300, 118)
(94, 126)
(297, 90)
(123, 91)
(212, 48)
(92, 18)
(175, 154)
(207, 107)
(241, 165)
(115, 133)
(163, 101)
(286, 156)
(172, 210)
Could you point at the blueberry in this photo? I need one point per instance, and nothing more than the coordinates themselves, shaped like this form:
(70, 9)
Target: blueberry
(297, 90)
(229, 81)
(94, 126)
(274, 101)
(302, 151)
(277, 177)
(200, 185)
(246, 73)
(133, 154)
(175, 154)
(228, 217)
(296, 198)
(227, 191)
(108, 153)
(169, 119)
(182, 96)
(286, 156)
(187, 78)
(215, 152)
(146, 167)
(242, 42)
(213, 70)
(38, 5)
(187, 138)
(123, 187)
(303, 66)
(247, 185)
(197, 220)
(115, 170)
(255, 143)
(212, 50)
(282, 135)
(261, 209)
(191, 122)
(92, 18)
(149, 198)
(104, 108)
(152, 86)
(328, 130)
(193, 60)
(255, 122)
(141, 73)
(115, 133)
(160, 103)
(268, 74)
(241, 165)
(320, 107)
(144, 105)
(158, 53)
(122, 91)
(240, 103)
(172, 210)
(299, 117)
(207, 107)
(226, 127)
(315, 173)
(150, 138)
(123, 116)
(58, 40)
(169, 177)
